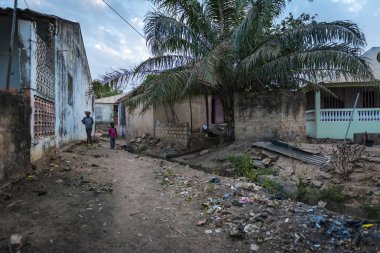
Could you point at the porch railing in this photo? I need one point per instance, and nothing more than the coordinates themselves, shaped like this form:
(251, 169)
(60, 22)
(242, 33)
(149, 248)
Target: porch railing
(345, 115)
(369, 115)
(335, 115)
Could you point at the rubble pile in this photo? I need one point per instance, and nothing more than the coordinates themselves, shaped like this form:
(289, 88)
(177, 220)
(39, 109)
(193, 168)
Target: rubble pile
(241, 210)
(147, 144)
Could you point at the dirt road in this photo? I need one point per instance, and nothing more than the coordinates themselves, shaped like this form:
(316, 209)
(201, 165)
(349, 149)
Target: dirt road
(93, 199)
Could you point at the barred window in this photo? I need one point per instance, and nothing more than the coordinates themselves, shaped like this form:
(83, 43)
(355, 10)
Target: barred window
(44, 117)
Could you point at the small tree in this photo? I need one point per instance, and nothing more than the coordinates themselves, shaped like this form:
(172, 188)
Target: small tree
(104, 90)
(345, 158)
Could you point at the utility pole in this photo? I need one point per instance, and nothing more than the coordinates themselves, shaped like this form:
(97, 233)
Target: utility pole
(10, 51)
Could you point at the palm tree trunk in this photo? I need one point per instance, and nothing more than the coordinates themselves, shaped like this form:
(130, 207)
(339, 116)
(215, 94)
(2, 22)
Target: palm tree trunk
(207, 121)
(227, 101)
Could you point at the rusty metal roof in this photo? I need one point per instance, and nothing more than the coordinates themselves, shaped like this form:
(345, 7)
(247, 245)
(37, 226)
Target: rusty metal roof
(292, 151)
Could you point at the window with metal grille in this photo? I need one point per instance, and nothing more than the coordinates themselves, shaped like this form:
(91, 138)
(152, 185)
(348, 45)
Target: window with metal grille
(44, 117)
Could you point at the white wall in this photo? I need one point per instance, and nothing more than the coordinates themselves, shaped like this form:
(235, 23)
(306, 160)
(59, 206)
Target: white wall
(70, 63)
(106, 112)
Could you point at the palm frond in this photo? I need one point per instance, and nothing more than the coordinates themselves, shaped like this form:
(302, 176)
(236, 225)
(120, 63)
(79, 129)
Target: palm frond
(166, 34)
(331, 61)
(167, 87)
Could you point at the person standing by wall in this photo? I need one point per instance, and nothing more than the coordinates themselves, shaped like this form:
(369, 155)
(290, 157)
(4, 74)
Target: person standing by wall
(88, 122)
(112, 132)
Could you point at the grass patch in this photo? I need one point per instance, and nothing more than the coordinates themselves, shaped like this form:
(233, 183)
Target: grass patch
(142, 149)
(266, 171)
(333, 193)
(306, 194)
(373, 211)
(244, 168)
(210, 188)
(242, 165)
(166, 177)
(273, 187)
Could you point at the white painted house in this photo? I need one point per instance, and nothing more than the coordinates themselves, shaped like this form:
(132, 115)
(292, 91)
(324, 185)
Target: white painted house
(50, 66)
(110, 109)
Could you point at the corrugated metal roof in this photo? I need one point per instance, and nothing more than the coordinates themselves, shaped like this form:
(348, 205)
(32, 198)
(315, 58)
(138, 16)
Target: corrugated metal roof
(293, 152)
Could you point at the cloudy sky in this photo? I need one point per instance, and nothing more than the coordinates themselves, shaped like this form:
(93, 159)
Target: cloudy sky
(111, 44)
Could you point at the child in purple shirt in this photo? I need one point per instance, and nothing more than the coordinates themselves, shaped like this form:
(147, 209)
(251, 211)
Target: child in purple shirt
(112, 132)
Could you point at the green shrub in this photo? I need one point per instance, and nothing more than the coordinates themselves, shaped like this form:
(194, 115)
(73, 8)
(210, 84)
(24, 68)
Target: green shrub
(142, 148)
(242, 164)
(333, 193)
(273, 187)
(306, 194)
(266, 171)
(373, 211)
(210, 188)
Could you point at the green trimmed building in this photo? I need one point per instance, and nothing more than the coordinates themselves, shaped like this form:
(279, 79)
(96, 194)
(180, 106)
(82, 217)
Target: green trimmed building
(328, 116)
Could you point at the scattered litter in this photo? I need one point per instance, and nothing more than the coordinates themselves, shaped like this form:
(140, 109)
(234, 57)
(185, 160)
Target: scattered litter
(246, 200)
(214, 180)
(254, 247)
(226, 196)
(201, 222)
(367, 225)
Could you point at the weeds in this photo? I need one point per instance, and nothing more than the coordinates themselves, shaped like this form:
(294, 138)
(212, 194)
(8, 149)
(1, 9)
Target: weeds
(345, 158)
(166, 175)
(210, 188)
(373, 211)
(333, 193)
(306, 194)
(242, 164)
(142, 149)
(272, 186)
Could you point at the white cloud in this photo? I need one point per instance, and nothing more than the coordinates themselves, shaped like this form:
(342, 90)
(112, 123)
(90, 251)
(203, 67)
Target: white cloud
(124, 52)
(138, 22)
(97, 3)
(353, 5)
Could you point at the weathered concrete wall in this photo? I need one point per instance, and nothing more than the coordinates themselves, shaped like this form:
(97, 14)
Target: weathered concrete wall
(72, 88)
(276, 115)
(137, 124)
(14, 134)
(173, 132)
(104, 113)
(182, 111)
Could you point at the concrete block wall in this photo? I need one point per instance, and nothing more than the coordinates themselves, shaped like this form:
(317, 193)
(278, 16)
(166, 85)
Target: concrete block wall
(174, 132)
(274, 115)
(14, 134)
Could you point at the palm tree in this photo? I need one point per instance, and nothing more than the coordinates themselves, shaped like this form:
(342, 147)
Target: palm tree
(219, 47)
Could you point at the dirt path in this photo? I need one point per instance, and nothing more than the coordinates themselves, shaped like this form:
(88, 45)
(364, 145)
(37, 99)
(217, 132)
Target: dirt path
(80, 214)
(93, 199)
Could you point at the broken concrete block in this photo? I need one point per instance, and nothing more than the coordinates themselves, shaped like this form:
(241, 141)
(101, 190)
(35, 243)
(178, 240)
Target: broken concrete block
(267, 162)
(15, 243)
(316, 183)
(203, 152)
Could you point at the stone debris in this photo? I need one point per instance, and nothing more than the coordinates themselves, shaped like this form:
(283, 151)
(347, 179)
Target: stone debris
(242, 210)
(15, 243)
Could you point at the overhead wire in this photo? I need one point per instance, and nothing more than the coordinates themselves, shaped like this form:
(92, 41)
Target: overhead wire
(124, 20)
(26, 4)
